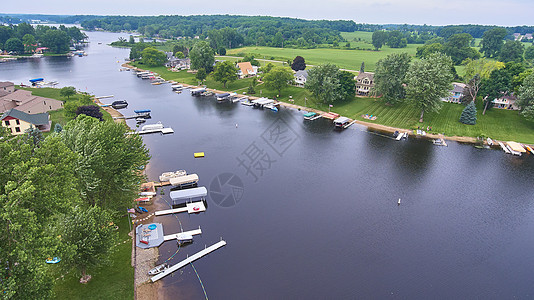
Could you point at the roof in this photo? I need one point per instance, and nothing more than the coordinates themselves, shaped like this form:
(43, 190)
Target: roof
(189, 193)
(35, 119)
(458, 87)
(363, 75)
(302, 73)
(245, 67)
(22, 100)
(6, 84)
(341, 120)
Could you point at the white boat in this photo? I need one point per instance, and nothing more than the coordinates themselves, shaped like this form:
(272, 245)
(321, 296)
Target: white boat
(490, 141)
(152, 126)
(166, 176)
(158, 269)
(439, 142)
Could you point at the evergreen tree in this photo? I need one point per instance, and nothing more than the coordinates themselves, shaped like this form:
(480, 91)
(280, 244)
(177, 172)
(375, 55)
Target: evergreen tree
(469, 114)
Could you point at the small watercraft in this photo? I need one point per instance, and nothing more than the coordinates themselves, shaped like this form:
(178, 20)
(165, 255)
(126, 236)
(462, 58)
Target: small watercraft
(54, 260)
(119, 104)
(158, 269)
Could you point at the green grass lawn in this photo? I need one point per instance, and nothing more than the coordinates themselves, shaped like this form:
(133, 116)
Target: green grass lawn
(346, 59)
(362, 35)
(112, 281)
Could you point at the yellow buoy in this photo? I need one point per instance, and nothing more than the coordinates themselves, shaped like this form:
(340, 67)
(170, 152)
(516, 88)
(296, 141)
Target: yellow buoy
(199, 154)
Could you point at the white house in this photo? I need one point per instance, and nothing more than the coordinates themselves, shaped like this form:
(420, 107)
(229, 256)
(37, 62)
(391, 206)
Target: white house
(456, 93)
(246, 69)
(300, 78)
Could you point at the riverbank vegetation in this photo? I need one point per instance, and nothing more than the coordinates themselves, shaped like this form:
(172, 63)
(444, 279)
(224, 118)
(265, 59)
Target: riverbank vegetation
(54, 184)
(24, 38)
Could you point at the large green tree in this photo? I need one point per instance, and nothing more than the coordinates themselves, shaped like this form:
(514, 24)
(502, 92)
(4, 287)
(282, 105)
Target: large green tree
(379, 39)
(29, 43)
(492, 41)
(67, 91)
(224, 72)
(108, 185)
(137, 49)
(14, 45)
(153, 57)
(526, 97)
(483, 67)
(428, 81)
(325, 82)
(202, 56)
(56, 40)
(457, 47)
(390, 76)
(512, 51)
(88, 235)
(278, 79)
(396, 39)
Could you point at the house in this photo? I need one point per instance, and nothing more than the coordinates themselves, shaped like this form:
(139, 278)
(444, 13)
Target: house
(300, 78)
(17, 121)
(179, 63)
(528, 36)
(364, 83)
(517, 36)
(506, 102)
(456, 93)
(24, 101)
(246, 69)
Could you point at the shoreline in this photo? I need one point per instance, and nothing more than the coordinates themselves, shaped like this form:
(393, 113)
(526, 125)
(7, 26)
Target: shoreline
(373, 126)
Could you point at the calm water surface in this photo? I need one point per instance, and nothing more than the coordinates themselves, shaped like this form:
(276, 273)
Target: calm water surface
(321, 219)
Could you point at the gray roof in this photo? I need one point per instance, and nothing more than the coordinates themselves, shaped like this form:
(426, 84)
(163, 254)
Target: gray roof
(35, 119)
(302, 73)
(6, 84)
(457, 88)
(362, 75)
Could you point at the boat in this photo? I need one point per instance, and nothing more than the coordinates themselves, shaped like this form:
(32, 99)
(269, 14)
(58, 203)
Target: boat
(166, 176)
(529, 149)
(504, 148)
(158, 269)
(197, 91)
(199, 154)
(222, 97)
(119, 104)
(247, 103)
(207, 94)
(183, 238)
(489, 141)
(140, 111)
(310, 115)
(54, 260)
(177, 87)
(152, 126)
(140, 120)
(439, 142)
(140, 209)
(341, 122)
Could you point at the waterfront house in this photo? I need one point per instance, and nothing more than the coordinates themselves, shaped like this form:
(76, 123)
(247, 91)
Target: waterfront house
(179, 63)
(18, 121)
(24, 101)
(456, 93)
(300, 78)
(364, 83)
(506, 102)
(246, 69)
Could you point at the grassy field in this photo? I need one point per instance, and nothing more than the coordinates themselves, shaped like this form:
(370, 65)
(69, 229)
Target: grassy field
(346, 59)
(358, 36)
(112, 281)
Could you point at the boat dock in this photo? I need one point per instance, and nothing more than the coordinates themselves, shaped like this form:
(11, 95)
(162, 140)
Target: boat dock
(149, 235)
(504, 148)
(348, 125)
(179, 235)
(192, 207)
(104, 97)
(188, 260)
(155, 130)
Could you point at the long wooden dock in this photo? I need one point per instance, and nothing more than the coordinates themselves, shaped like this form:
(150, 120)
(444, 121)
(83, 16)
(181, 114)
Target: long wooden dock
(188, 260)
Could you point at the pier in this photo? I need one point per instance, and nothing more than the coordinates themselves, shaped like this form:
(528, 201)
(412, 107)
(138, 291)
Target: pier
(188, 260)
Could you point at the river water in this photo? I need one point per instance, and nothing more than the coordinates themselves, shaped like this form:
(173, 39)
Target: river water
(311, 213)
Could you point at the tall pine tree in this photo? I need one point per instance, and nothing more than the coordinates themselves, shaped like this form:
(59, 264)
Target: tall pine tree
(469, 114)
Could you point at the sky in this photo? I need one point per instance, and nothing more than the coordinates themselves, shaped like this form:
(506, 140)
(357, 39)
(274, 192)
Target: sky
(431, 12)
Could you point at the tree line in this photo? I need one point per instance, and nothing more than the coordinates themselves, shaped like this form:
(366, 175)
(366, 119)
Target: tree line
(24, 38)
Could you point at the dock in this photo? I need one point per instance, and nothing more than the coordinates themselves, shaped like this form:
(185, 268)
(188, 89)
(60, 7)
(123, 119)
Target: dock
(177, 236)
(188, 260)
(504, 148)
(104, 97)
(155, 130)
(192, 207)
(348, 125)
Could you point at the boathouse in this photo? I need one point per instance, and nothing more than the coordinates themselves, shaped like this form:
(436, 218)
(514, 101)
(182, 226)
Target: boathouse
(180, 196)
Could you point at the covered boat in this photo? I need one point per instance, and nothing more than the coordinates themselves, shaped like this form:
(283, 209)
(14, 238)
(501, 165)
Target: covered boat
(152, 126)
(119, 104)
(310, 115)
(341, 122)
(166, 176)
(184, 181)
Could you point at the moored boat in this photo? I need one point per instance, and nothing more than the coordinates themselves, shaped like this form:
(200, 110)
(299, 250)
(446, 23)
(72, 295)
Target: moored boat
(119, 104)
(158, 269)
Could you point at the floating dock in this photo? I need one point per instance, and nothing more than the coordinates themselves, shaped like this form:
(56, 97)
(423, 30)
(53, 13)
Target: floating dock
(179, 235)
(193, 207)
(188, 260)
(154, 130)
